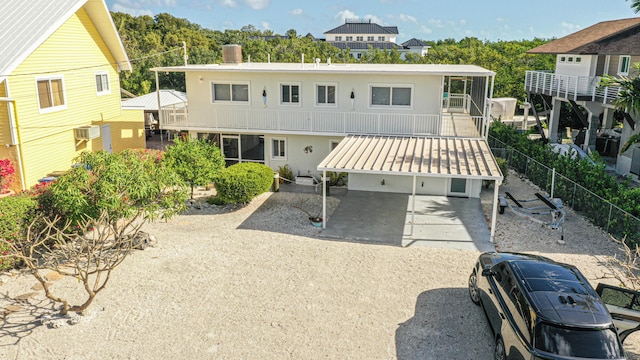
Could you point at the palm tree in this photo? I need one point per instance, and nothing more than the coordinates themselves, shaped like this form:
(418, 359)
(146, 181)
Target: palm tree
(635, 5)
(628, 99)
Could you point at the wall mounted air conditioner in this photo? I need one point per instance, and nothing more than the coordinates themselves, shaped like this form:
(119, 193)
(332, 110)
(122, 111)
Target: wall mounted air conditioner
(87, 132)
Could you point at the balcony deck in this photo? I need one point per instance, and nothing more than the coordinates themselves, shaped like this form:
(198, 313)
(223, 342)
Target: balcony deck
(454, 124)
(577, 88)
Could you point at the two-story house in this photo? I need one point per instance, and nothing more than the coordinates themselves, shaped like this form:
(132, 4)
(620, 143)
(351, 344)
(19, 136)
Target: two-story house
(360, 35)
(582, 58)
(389, 126)
(59, 86)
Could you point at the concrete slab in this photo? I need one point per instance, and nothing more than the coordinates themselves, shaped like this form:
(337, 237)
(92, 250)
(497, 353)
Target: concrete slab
(385, 218)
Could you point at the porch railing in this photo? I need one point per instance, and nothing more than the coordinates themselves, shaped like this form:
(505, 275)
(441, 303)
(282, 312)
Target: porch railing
(569, 87)
(457, 103)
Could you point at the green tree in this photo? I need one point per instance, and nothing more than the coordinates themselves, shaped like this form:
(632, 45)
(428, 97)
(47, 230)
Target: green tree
(628, 99)
(131, 183)
(197, 161)
(635, 5)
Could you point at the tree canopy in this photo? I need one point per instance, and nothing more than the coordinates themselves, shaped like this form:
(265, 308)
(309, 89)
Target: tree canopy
(145, 36)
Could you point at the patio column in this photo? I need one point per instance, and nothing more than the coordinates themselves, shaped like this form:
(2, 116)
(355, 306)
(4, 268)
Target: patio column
(494, 213)
(324, 199)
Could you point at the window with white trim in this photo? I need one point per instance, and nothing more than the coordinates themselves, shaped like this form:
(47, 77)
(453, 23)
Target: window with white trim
(290, 93)
(326, 94)
(359, 38)
(623, 66)
(333, 144)
(279, 149)
(349, 38)
(370, 38)
(380, 38)
(229, 92)
(102, 83)
(578, 59)
(338, 38)
(394, 95)
(51, 95)
(563, 59)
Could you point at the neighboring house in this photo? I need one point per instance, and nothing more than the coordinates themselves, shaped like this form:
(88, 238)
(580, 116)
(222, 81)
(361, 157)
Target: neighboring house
(173, 102)
(59, 86)
(609, 47)
(360, 35)
(386, 125)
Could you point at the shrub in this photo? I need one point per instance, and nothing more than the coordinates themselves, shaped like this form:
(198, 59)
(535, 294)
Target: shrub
(337, 178)
(285, 172)
(240, 183)
(7, 172)
(196, 161)
(16, 213)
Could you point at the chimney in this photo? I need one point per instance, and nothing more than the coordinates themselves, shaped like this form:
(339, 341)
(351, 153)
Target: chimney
(231, 54)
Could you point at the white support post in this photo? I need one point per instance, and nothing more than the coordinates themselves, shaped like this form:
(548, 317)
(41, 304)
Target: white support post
(324, 199)
(413, 204)
(494, 213)
(553, 181)
(160, 117)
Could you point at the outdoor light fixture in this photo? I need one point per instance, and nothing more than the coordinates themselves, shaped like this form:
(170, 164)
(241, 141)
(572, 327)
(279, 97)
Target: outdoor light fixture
(353, 98)
(264, 96)
(382, 182)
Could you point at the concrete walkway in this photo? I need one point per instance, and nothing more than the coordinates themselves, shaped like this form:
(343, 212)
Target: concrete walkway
(385, 218)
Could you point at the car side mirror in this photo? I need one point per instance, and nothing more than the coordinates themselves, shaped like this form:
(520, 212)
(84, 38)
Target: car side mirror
(487, 272)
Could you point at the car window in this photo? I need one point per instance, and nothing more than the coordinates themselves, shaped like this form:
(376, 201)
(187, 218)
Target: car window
(580, 343)
(618, 297)
(522, 313)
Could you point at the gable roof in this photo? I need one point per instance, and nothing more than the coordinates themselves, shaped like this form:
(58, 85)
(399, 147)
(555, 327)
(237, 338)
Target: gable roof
(150, 101)
(363, 28)
(607, 37)
(26, 25)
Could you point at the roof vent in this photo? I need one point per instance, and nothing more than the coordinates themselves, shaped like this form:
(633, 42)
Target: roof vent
(232, 54)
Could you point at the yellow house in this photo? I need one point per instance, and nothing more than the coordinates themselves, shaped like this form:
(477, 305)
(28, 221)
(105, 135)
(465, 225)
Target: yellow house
(59, 86)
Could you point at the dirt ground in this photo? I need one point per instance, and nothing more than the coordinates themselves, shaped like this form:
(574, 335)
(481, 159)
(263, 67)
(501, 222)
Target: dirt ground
(259, 283)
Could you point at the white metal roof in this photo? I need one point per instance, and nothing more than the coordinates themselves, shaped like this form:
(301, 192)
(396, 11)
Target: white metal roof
(150, 101)
(413, 155)
(409, 69)
(26, 24)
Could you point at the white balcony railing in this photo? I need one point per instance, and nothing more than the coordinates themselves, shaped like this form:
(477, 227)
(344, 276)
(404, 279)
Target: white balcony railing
(457, 103)
(569, 87)
(320, 122)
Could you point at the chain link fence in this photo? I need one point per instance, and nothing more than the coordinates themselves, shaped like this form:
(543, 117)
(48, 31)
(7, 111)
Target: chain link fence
(616, 221)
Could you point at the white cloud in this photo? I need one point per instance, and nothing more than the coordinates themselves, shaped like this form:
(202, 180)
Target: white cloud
(266, 25)
(374, 19)
(425, 30)
(257, 4)
(436, 22)
(407, 18)
(296, 12)
(463, 22)
(229, 3)
(569, 27)
(346, 14)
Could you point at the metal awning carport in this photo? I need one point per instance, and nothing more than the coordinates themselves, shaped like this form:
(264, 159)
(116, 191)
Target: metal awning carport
(414, 156)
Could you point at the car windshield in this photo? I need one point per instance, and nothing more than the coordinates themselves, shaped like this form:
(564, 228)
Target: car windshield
(580, 343)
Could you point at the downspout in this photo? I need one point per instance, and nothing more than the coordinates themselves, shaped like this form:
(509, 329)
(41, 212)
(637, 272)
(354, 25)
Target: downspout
(15, 133)
(487, 109)
(324, 199)
(494, 216)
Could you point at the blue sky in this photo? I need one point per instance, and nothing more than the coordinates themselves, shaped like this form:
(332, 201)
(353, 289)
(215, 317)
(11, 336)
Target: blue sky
(423, 19)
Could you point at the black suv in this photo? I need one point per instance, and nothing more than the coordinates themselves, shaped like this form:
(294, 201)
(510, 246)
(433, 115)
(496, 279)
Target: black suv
(541, 309)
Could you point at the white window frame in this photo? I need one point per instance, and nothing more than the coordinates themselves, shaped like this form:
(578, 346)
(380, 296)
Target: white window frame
(326, 104)
(370, 38)
(333, 143)
(230, 101)
(578, 60)
(282, 142)
(52, 108)
(102, 75)
(391, 87)
(622, 71)
(348, 38)
(563, 59)
(381, 38)
(290, 103)
(359, 38)
(338, 38)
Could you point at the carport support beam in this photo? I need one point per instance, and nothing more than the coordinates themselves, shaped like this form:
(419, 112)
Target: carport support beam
(413, 204)
(496, 190)
(324, 199)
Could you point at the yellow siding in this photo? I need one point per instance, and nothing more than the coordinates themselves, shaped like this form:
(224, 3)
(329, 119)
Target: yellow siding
(5, 136)
(76, 52)
(127, 132)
